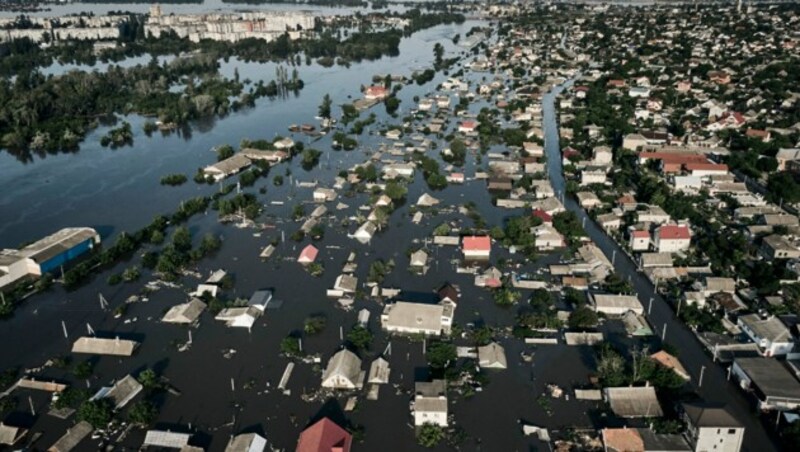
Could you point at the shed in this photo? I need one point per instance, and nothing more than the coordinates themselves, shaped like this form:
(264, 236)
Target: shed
(100, 346)
(72, 437)
(379, 371)
(308, 255)
(10, 435)
(166, 439)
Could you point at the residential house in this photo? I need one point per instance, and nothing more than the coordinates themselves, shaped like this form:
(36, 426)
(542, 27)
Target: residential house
(593, 176)
(467, 126)
(785, 156)
(633, 402)
(343, 371)
(379, 371)
(227, 167)
(588, 200)
(639, 240)
(712, 428)
(611, 304)
(476, 247)
(770, 334)
(778, 247)
(546, 237)
(239, 317)
(672, 238)
(365, 232)
(185, 313)
(418, 318)
(324, 436)
(376, 92)
(671, 362)
(246, 442)
(492, 356)
(430, 403)
(308, 255)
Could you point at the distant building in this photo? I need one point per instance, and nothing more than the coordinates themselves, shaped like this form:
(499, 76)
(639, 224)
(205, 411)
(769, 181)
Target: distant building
(46, 254)
(611, 304)
(712, 428)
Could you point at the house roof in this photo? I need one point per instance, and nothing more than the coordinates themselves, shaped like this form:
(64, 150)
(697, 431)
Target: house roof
(476, 243)
(165, 438)
(705, 167)
(641, 234)
(447, 291)
(707, 415)
(72, 437)
(185, 312)
(101, 346)
(622, 440)
(674, 232)
(246, 442)
(770, 328)
(771, 377)
(343, 363)
(492, 355)
(309, 254)
(324, 436)
(671, 362)
(10, 434)
(633, 401)
(419, 316)
(544, 216)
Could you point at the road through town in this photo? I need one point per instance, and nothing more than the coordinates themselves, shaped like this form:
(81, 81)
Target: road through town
(715, 386)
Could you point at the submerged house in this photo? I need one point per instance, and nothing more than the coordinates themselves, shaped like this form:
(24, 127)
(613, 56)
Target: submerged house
(343, 371)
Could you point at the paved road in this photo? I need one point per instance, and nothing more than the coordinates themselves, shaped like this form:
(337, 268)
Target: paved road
(715, 387)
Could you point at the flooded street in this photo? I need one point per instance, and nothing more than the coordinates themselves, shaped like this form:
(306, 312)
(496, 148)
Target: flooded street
(228, 377)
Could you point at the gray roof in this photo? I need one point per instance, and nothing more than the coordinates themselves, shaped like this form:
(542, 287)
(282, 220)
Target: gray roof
(706, 415)
(10, 434)
(492, 355)
(72, 437)
(185, 313)
(246, 442)
(663, 442)
(633, 402)
(231, 164)
(101, 346)
(160, 438)
(48, 247)
(435, 388)
(123, 391)
(772, 378)
(419, 316)
(260, 298)
(345, 364)
(770, 328)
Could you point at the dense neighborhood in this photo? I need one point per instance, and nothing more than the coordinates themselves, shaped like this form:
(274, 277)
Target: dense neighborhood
(576, 229)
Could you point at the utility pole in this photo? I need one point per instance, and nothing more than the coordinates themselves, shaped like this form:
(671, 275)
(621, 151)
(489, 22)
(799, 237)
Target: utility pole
(650, 306)
(664, 332)
(64, 327)
(702, 372)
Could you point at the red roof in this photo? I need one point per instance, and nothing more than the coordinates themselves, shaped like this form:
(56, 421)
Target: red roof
(308, 254)
(641, 235)
(324, 436)
(481, 243)
(469, 124)
(705, 167)
(376, 89)
(674, 232)
(544, 216)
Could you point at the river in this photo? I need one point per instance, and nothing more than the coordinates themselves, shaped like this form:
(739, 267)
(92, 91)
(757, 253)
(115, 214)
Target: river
(715, 387)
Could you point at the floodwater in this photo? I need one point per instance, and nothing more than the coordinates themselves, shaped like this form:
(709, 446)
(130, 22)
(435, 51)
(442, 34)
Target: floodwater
(115, 190)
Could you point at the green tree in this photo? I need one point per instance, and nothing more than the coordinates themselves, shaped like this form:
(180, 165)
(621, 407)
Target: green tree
(430, 435)
(396, 190)
(360, 337)
(143, 413)
(83, 370)
(441, 355)
(505, 296)
(98, 412)
(182, 239)
(149, 379)
(314, 324)
(325, 107)
(224, 152)
(582, 318)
